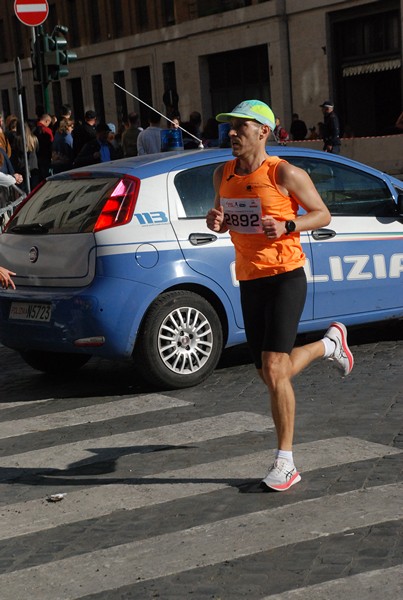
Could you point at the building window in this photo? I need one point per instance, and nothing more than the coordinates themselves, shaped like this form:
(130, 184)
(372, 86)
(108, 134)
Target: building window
(170, 97)
(75, 96)
(142, 14)
(120, 96)
(3, 54)
(5, 102)
(370, 37)
(57, 98)
(18, 37)
(367, 61)
(98, 95)
(168, 12)
(211, 7)
(117, 19)
(238, 74)
(52, 19)
(39, 108)
(73, 36)
(94, 23)
(141, 80)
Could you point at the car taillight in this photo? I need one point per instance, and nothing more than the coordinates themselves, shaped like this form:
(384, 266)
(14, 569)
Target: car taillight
(119, 206)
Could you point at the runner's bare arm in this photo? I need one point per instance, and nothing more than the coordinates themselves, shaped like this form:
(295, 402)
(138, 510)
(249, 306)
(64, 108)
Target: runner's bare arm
(297, 183)
(215, 216)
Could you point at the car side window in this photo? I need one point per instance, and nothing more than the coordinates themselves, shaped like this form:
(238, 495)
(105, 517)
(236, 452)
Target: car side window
(196, 190)
(346, 190)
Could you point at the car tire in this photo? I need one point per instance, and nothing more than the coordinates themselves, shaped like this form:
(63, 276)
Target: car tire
(54, 363)
(180, 341)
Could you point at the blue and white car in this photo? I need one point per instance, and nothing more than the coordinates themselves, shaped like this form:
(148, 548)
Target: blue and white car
(116, 261)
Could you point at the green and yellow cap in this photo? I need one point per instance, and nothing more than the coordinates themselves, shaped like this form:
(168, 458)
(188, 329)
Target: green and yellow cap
(250, 109)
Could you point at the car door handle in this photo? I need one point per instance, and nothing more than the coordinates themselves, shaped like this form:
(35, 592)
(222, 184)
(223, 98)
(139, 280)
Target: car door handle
(323, 234)
(198, 239)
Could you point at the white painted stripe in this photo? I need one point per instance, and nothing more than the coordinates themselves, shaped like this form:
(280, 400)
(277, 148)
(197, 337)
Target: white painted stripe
(36, 515)
(204, 545)
(34, 7)
(22, 403)
(385, 584)
(112, 446)
(90, 414)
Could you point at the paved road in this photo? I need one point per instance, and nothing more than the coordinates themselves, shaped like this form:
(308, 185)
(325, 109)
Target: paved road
(161, 495)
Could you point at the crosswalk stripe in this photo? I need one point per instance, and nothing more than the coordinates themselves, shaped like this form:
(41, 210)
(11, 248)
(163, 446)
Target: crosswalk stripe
(90, 414)
(86, 451)
(204, 545)
(23, 404)
(36, 515)
(373, 585)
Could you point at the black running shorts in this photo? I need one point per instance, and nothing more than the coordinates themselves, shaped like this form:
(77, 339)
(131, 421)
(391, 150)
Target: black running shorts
(272, 308)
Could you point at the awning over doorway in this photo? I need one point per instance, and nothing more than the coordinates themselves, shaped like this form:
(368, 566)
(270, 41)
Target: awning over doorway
(373, 67)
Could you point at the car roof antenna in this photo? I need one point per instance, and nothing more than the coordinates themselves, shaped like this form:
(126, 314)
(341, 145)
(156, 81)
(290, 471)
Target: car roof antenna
(157, 111)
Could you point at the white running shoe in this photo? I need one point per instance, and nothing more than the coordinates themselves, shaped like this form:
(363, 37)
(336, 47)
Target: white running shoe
(342, 355)
(281, 476)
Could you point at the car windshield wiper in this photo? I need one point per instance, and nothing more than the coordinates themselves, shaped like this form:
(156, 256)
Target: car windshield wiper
(29, 228)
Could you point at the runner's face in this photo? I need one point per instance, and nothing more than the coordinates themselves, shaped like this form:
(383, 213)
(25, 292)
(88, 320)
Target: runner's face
(244, 136)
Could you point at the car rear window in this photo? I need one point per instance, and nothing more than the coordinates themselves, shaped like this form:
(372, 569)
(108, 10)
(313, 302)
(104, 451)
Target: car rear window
(65, 205)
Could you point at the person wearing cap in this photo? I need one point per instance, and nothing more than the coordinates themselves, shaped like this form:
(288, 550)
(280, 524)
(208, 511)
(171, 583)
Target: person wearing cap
(84, 131)
(331, 128)
(265, 229)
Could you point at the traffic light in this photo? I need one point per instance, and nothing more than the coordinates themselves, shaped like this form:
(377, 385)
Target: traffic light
(56, 56)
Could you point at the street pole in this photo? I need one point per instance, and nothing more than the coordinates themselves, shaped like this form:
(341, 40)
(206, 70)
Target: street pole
(18, 78)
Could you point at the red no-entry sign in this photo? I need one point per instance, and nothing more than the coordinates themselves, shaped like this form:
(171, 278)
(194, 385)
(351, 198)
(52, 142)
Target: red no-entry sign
(30, 12)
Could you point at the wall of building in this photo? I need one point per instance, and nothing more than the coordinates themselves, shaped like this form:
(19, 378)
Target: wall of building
(299, 60)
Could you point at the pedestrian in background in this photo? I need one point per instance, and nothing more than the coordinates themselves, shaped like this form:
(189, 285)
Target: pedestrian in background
(62, 147)
(130, 136)
(7, 168)
(210, 133)
(32, 146)
(269, 265)
(331, 128)
(4, 143)
(114, 141)
(45, 140)
(298, 128)
(399, 122)
(84, 131)
(280, 133)
(191, 142)
(97, 150)
(149, 140)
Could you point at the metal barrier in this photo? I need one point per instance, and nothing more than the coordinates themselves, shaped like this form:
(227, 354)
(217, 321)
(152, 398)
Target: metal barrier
(10, 197)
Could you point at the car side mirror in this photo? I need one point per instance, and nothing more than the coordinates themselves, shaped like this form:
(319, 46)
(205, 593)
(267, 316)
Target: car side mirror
(399, 207)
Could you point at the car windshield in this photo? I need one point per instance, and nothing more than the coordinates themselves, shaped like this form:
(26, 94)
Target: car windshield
(64, 206)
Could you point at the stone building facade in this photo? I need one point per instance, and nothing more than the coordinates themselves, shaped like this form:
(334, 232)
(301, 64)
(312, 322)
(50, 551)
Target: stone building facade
(214, 53)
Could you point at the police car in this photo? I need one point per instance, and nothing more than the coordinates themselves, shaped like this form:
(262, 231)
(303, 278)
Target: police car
(116, 261)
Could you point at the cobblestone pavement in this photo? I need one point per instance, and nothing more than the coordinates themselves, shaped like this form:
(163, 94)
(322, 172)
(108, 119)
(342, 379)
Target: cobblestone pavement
(160, 494)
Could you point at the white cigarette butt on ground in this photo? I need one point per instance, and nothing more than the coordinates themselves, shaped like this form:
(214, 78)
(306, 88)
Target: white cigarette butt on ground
(56, 497)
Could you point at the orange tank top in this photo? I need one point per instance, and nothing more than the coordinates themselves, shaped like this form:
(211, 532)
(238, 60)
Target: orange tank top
(247, 198)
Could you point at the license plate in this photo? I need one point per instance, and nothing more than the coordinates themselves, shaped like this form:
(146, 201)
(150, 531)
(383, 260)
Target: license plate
(30, 311)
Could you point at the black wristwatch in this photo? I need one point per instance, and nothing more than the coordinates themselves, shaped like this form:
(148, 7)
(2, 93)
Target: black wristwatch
(290, 227)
